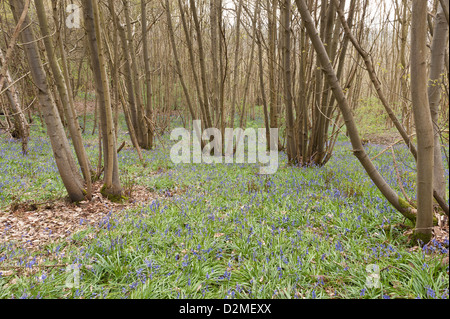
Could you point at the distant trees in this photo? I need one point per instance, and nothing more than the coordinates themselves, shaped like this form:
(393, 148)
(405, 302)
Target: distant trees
(21, 128)
(358, 149)
(304, 66)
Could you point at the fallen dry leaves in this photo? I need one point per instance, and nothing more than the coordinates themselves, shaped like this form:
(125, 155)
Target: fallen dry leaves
(35, 225)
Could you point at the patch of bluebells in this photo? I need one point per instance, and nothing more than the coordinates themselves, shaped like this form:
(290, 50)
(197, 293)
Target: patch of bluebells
(311, 228)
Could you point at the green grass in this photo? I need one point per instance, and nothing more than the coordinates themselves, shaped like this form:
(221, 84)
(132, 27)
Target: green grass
(231, 233)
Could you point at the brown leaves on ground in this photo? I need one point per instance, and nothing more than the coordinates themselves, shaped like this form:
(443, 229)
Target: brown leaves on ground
(35, 225)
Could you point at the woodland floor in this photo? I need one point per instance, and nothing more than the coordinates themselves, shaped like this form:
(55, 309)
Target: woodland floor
(213, 231)
(34, 225)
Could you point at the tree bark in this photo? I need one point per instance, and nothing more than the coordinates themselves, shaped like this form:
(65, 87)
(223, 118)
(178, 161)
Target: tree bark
(376, 82)
(65, 162)
(401, 205)
(272, 29)
(261, 80)
(286, 25)
(445, 8)
(236, 63)
(438, 46)
(422, 118)
(148, 83)
(141, 129)
(65, 95)
(21, 126)
(111, 187)
(201, 55)
(9, 51)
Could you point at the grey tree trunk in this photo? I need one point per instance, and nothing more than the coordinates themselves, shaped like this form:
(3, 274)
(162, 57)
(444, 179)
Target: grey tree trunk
(438, 47)
(401, 205)
(201, 55)
(236, 63)
(148, 83)
(9, 51)
(21, 126)
(422, 118)
(65, 162)
(272, 29)
(141, 129)
(65, 95)
(111, 187)
(286, 25)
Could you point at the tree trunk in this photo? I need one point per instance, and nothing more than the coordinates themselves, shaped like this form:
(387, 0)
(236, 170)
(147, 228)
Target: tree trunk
(439, 44)
(192, 63)
(214, 29)
(401, 205)
(148, 86)
(201, 55)
(236, 63)
(111, 187)
(21, 126)
(422, 118)
(445, 8)
(65, 162)
(65, 95)
(9, 51)
(129, 83)
(272, 29)
(376, 82)
(286, 25)
(261, 81)
(141, 129)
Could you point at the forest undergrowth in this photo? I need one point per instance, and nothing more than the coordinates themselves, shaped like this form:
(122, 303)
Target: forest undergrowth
(218, 230)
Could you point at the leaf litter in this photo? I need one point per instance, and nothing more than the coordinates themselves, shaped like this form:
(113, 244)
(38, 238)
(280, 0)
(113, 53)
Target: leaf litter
(34, 225)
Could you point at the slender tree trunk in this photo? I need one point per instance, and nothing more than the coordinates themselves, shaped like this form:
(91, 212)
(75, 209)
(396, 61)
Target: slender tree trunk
(422, 118)
(201, 55)
(111, 187)
(261, 80)
(21, 126)
(9, 51)
(141, 129)
(214, 29)
(65, 93)
(192, 63)
(445, 8)
(65, 162)
(272, 29)
(401, 205)
(236, 62)
(250, 66)
(376, 82)
(177, 60)
(439, 44)
(129, 83)
(406, 114)
(286, 25)
(148, 86)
